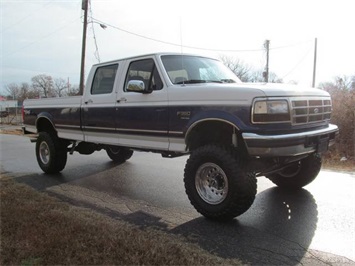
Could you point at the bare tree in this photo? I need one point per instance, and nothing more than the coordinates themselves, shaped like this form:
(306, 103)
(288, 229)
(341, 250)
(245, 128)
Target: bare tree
(245, 72)
(43, 83)
(59, 86)
(13, 91)
(21, 91)
(343, 99)
(273, 78)
(25, 91)
(73, 90)
(257, 76)
(344, 83)
(239, 68)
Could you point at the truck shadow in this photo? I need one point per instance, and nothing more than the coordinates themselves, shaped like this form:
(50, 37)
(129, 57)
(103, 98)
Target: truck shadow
(42, 181)
(277, 230)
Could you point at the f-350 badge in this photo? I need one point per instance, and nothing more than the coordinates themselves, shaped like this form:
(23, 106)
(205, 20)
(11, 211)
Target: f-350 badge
(184, 114)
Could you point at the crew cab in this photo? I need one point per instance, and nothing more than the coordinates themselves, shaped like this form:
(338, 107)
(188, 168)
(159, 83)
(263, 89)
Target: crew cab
(180, 104)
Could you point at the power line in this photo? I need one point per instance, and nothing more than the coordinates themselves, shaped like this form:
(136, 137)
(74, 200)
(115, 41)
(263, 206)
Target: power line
(298, 63)
(171, 43)
(191, 47)
(44, 37)
(25, 17)
(290, 45)
(96, 53)
(39, 70)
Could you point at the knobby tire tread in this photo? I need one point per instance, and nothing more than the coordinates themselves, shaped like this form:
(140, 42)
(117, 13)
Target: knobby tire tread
(242, 184)
(310, 168)
(58, 153)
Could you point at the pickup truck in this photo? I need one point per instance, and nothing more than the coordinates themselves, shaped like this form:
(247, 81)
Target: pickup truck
(180, 104)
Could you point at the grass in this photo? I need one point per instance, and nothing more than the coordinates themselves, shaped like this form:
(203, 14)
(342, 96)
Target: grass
(37, 229)
(332, 160)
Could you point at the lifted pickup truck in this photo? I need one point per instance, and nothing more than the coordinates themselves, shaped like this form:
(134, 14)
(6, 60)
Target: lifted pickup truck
(178, 104)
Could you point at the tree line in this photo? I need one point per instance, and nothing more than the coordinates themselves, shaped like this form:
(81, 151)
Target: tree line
(342, 90)
(247, 73)
(41, 86)
(45, 86)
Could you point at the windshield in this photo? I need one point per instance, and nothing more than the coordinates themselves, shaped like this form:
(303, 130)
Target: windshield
(185, 69)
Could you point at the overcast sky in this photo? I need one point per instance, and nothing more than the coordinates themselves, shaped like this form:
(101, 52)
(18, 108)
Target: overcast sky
(44, 36)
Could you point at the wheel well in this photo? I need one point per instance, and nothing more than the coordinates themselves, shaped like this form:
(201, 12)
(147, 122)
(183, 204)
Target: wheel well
(208, 132)
(44, 125)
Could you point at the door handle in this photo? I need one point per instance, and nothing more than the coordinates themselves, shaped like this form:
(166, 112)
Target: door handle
(123, 99)
(89, 101)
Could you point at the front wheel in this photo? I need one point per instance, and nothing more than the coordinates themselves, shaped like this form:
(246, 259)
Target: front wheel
(216, 184)
(118, 154)
(51, 153)
(298, 174)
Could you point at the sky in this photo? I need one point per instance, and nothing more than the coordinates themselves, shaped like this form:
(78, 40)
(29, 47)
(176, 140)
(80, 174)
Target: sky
(45, 36)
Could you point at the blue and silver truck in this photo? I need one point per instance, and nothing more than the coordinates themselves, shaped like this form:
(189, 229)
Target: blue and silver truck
(180, 104)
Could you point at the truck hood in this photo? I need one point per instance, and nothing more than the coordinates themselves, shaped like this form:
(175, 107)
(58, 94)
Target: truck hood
(284, 90)
(236, 93)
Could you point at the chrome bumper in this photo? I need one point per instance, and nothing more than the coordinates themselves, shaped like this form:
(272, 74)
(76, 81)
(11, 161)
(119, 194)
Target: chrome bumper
(290, 144)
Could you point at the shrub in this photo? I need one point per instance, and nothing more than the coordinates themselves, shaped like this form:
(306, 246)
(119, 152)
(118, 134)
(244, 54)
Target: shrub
(343, 97)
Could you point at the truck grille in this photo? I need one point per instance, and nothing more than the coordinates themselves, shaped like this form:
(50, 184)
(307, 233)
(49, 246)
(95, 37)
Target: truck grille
(305, 111)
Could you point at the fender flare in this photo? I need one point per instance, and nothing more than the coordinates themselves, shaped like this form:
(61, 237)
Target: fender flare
(45, 116)
(213, 115)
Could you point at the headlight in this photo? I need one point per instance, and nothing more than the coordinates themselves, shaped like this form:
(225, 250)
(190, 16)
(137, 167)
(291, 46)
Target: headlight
(271, 111)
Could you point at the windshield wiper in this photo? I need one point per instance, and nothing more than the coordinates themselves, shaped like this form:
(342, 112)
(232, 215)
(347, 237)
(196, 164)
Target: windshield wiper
(191, 81)
(228, 81)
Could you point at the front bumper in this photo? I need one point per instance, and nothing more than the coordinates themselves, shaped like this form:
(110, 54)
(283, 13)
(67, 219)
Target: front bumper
(290, 144)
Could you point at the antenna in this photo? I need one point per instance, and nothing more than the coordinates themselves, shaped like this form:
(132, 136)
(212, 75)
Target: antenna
(314, 64)
(266, 72)
(181, 43)
(181, 50)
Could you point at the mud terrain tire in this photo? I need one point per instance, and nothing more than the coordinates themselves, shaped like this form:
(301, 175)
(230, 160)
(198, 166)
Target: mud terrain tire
(216, 184)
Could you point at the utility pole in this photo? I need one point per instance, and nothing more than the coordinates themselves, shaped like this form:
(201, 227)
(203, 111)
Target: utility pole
(84, 6)
(68, 85)
(266, 72)
(314, 63)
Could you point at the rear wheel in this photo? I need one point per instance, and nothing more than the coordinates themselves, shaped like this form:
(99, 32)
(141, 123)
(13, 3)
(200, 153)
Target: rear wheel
(51, 153)
(298, 174)
(119, 154)
(216, 184)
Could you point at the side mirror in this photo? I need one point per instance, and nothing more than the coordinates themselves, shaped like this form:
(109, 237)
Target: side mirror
(137, 86)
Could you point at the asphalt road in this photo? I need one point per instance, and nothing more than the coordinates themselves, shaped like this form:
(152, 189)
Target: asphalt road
(314, 226)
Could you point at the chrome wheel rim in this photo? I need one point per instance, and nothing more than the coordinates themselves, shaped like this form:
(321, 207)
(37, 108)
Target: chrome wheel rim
(44, 152)
(211, 183)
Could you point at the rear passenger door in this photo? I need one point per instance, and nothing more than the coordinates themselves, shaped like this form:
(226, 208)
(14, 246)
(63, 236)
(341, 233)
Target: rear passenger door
(142, 117)
(98, 109)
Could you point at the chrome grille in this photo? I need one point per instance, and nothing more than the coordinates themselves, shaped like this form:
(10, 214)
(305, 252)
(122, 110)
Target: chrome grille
(312, 110)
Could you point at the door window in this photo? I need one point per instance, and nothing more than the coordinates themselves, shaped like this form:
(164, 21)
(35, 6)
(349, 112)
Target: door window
(104, 79)
(146, 71)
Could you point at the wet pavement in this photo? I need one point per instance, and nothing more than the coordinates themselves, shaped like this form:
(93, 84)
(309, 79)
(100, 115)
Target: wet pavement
(313, 226)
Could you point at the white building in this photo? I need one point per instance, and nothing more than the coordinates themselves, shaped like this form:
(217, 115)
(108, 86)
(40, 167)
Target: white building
(7, 104)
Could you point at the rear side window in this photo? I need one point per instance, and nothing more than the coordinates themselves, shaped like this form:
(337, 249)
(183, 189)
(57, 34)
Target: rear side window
(104, 79)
